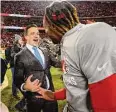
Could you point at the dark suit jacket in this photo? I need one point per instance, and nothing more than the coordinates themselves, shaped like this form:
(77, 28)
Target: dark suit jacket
(14, 50)
(27, 64)
(8, 54)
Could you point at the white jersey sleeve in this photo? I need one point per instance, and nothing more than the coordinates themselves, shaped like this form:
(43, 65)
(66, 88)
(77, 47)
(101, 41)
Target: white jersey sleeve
(97, 52)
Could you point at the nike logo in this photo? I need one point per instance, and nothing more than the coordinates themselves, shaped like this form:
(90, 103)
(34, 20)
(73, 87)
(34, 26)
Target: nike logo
(102, 67)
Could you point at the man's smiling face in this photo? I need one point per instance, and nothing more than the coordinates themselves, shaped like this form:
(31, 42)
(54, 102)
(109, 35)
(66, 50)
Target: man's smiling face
(32, 36)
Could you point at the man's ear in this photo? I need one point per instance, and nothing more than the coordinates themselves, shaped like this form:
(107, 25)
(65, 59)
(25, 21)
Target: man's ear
(26, 37)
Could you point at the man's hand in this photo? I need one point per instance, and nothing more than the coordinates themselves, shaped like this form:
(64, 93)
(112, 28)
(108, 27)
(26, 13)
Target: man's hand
(32, 86)
(46, 94)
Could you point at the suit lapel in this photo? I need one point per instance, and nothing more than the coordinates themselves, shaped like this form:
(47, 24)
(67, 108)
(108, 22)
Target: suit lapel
(45, 56)
(31, 56)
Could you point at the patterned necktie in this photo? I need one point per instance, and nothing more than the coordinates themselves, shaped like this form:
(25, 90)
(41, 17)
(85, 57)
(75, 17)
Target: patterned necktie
(37, 55)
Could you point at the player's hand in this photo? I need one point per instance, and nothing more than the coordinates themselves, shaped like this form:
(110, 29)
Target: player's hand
(32, 86)
(46, 94)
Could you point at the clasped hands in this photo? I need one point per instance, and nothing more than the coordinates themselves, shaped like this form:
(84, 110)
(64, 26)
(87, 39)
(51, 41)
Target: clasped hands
(35, 86)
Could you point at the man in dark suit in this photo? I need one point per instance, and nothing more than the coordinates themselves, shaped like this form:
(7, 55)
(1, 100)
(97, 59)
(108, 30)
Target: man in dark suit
(35, 61)
(17, 46)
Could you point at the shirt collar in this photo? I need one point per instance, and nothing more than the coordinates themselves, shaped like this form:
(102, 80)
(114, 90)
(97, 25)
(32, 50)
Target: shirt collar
(76, 28)
(29, 46)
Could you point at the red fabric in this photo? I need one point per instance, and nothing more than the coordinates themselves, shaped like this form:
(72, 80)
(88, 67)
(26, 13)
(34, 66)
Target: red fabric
(103, 95)
(4, 14)
(60, 94)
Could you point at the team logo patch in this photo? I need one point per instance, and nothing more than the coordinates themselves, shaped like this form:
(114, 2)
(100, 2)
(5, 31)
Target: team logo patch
(65, 68)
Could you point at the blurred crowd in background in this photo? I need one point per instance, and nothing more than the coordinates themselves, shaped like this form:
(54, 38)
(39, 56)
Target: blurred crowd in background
(87, 10)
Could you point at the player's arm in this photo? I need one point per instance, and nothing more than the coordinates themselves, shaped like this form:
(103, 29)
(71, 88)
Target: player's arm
(49, 95)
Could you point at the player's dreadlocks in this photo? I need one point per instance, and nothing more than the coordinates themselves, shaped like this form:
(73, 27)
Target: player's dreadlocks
(61, 17)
